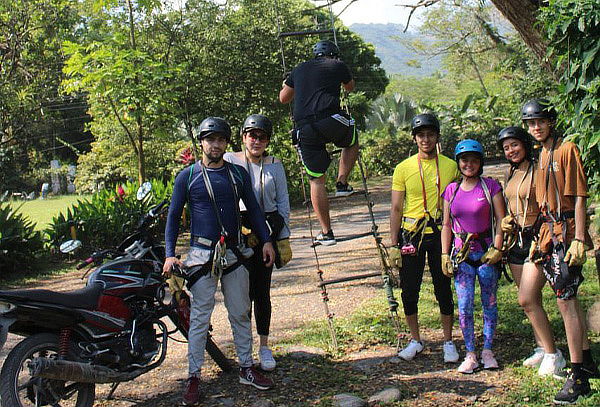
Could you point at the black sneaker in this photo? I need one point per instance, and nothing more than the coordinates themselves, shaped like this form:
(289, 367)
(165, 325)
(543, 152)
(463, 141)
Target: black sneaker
(591, 371)
(326, 239)
(573, 388)
(343, 189)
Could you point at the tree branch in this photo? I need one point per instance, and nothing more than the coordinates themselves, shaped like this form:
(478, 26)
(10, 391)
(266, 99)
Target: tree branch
(414, 7)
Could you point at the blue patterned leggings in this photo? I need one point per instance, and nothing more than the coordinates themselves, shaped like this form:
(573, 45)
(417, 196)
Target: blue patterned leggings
(464, 283)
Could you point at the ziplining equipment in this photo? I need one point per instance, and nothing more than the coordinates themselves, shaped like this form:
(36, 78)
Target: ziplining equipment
(386, 273)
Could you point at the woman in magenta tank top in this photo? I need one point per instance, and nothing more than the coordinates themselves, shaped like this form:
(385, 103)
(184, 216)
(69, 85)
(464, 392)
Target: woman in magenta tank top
(473, 210)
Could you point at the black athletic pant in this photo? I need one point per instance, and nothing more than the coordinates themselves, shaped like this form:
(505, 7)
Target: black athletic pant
(411, 276)
(260, 291)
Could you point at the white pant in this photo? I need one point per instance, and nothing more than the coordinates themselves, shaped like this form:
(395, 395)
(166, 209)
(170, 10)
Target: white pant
(235, 287)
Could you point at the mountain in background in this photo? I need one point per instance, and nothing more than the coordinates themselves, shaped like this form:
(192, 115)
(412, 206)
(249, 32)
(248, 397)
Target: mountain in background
(390, 46)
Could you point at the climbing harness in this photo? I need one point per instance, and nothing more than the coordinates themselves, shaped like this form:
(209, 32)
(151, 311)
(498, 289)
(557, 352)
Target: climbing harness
(386, 273)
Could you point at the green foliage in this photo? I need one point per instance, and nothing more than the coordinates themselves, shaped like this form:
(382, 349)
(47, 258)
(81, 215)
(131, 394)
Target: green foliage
(20, 243)
(382, 151)
(104, 219)
(573, 28)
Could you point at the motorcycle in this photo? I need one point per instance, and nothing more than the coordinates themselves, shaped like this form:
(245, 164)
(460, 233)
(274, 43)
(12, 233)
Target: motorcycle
(111, 331)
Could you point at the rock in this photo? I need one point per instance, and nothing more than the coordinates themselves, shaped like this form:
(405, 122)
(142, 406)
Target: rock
(385, 396)
(263, 403)
(366, 365)
(396, 360)
(348, 400)
(305, 352)
(226, 402)
(472, 399)
(593, 317)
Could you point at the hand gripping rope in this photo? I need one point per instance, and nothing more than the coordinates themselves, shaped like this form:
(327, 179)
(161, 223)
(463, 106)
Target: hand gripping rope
(386, 273)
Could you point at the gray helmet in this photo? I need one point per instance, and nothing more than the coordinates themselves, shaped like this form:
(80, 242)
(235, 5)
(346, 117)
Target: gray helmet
(326, 48)
(517, 133)
(424, 120)
(538, 109)
(212, 125)
(258, 121)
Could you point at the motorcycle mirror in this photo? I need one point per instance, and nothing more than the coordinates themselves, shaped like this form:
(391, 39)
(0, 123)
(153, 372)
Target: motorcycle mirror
(144, 190)
(70, 245)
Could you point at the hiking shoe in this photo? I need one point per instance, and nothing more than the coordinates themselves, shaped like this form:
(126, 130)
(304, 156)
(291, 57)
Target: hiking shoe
(450, 352)
(326, 239)
(591, 371)
(412, 349)
(343, 189)
(573, 389)
(468, 365)
(252, 377)
(267, 363)
(488, 359)
(535, 358)
(552, 363)
(191, 395)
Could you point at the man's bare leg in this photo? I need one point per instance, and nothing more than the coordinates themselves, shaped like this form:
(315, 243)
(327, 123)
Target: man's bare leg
(569, 309)
(347, 161)
(447, 321)
(320, 202)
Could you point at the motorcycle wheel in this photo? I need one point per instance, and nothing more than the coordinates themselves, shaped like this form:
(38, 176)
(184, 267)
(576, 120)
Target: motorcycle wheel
(19, 389)
(218, 356)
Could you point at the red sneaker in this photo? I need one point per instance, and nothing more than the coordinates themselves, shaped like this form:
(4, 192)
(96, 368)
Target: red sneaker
(252, 377)
(191, 396)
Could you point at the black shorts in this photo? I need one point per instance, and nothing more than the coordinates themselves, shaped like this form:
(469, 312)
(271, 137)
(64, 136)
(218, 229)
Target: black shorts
(518, 254)
(565, 280)
(313, 137)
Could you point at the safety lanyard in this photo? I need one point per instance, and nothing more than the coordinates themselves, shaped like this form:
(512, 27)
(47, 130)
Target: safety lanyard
(550, 165)
(437, 184)
(528, 172)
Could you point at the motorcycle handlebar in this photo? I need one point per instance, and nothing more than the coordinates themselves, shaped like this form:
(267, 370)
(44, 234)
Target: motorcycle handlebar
(158, 209)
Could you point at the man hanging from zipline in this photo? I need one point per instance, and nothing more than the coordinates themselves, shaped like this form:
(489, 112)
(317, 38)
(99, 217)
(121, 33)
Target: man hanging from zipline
(314, 86)
(415, 224)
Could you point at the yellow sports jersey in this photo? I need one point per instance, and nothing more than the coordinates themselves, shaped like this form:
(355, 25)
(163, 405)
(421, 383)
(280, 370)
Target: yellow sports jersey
(407, 178)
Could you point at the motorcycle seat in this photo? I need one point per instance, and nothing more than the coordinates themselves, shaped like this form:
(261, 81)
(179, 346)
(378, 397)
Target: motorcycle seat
(86, 298)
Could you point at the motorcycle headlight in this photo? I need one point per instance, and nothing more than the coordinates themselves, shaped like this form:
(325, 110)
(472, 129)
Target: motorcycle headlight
(6, 307)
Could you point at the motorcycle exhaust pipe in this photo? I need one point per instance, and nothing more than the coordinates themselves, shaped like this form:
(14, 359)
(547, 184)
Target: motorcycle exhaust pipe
(78, 372)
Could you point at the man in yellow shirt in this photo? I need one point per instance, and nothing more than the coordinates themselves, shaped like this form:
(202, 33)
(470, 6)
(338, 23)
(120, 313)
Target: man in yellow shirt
(415, 220)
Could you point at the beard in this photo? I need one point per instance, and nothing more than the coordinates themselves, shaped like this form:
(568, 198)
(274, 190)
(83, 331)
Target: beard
(214, 157)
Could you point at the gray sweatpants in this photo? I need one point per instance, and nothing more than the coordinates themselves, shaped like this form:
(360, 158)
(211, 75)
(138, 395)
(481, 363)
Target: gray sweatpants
(235, 287)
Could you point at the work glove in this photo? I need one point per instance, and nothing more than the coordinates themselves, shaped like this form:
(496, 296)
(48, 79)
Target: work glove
(492, 256)
(252, 240)
(575, 256)
(508, 224)
(534, 253)
(447, 267)
(395, 257)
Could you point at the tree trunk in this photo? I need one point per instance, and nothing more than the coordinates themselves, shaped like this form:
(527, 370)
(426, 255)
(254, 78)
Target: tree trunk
(522, 15)
(141, 159)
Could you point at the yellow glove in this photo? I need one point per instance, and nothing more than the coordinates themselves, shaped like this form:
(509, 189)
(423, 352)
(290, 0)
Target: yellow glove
(252, 240)
(492, 256)
(447, 267)
(576, 254)
(534, 253)
(395, 257)
(508, 224)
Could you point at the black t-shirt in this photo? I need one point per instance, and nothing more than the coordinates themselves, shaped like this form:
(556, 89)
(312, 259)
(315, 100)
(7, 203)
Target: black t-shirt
(316, 86)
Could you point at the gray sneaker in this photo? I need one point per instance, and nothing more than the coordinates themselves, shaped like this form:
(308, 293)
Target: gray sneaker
(325, 239)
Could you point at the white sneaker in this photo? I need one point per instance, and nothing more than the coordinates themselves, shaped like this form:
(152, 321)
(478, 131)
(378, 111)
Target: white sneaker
(535, 358)
(267, 363)
(450, 352)
(552, 364)
(412, 349)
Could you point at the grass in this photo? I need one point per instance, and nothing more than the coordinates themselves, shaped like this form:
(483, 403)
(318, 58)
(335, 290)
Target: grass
(514, 338)
(41, 211)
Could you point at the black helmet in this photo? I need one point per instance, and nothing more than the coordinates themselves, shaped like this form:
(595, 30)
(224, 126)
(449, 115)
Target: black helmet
(517, 133)
(258, 121)
(424, 120)
(212, 125)
(538, 109)
(326, 48)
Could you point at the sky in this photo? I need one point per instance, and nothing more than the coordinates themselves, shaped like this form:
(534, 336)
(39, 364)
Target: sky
(373, 11)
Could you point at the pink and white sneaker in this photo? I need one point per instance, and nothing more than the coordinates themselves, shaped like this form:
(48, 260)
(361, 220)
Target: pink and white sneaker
(488, 359)
(468, 365)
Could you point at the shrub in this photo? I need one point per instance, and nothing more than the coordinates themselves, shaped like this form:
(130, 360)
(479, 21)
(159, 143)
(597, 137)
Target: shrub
(106, 218)
(19, 242)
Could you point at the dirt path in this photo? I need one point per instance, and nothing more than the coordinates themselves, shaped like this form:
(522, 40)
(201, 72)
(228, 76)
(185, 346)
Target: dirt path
(296, 301)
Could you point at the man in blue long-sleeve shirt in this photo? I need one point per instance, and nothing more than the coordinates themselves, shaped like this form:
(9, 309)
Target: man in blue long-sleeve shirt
(227, 183)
